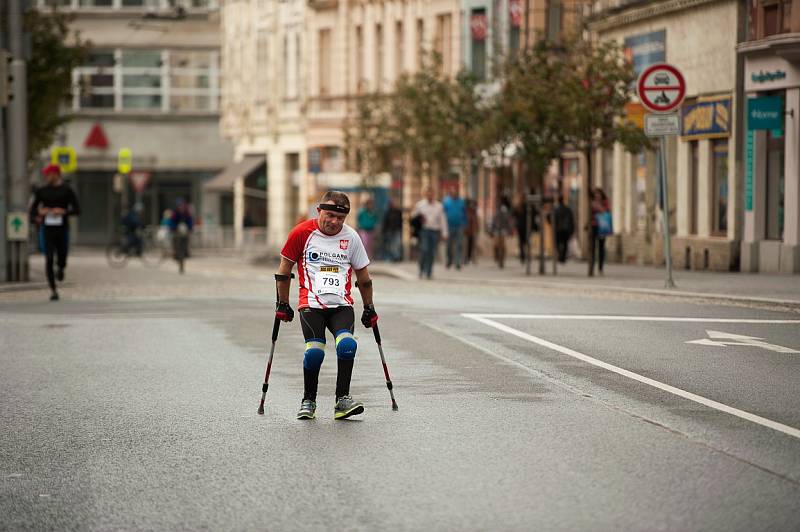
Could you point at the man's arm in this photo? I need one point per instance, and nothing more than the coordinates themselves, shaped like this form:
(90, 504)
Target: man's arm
(74, 208)
(364, 285)
(283, 284)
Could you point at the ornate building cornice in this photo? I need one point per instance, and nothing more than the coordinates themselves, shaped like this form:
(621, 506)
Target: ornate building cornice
(625, 15)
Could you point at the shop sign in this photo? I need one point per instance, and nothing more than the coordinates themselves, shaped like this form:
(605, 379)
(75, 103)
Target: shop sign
(706, 120)
(764, 77)
(634, 113)
(765, 113)
(65, 158)
(646, 49)
(124, 161)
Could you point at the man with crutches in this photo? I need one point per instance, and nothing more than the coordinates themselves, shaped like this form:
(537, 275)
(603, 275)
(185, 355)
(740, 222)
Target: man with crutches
(326, 252)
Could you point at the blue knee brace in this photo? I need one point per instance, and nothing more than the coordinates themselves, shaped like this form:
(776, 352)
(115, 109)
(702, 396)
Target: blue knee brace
(315, 353)
(346, 345)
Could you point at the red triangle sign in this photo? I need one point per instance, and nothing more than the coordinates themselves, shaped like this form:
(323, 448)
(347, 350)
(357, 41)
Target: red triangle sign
(96, 138)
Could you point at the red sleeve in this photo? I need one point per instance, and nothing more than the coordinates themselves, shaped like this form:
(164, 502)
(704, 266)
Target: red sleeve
(293, 248)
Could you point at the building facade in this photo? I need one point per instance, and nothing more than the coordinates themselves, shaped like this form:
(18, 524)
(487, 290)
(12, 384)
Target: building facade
(771, 191)
(151, 86)
(703, 183)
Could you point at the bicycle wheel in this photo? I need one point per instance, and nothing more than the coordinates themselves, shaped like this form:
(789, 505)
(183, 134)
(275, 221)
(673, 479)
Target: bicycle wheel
(153, 253)
(116, 255)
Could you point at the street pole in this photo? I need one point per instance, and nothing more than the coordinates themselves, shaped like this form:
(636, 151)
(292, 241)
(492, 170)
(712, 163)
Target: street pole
(17, 129)
(662, 155)
(5, 265)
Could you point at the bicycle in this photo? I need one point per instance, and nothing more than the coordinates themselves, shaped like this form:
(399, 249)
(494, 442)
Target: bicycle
(152, 253)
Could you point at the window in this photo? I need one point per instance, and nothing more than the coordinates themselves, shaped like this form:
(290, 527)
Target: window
(159, 80)
(776, 152)
(96, 80)
(378, 57)
(443, 40)
(479, 32)
(694, 185)
(720, 184)
(399, 48)
(420, 42)
(95, 3)
(359, 59)
(324, 62)
(262, 65)
(141, 79)
(775, 16)
(554, 20)
(190, 81)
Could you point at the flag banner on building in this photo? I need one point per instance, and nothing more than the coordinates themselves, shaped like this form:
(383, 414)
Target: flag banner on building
(706, 119)
(515, 13)
(646, 49)
(479, 24)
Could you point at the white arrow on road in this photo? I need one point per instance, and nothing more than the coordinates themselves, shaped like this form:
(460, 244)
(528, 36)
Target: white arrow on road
(721, 339)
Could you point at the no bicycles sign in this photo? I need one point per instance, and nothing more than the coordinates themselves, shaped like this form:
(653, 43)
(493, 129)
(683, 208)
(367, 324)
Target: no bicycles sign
(661, 88)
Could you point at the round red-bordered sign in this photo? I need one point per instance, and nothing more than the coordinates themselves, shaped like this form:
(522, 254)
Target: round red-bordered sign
(661, 87)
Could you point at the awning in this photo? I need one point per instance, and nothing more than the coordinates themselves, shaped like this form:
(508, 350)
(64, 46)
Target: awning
(223, 181)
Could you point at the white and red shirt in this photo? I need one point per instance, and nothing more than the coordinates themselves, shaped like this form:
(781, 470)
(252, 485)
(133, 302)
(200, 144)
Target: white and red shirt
(325, 263)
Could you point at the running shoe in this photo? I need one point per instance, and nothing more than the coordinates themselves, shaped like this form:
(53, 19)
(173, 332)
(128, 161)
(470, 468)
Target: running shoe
(307, 409)
(346, 407)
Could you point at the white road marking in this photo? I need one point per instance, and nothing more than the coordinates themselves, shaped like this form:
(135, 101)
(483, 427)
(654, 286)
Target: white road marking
(723, 339)
(780, 427)
(627, 318)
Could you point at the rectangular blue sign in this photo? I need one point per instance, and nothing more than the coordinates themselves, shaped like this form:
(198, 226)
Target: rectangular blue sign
(765, 113)
(705, 120)
(646, 49)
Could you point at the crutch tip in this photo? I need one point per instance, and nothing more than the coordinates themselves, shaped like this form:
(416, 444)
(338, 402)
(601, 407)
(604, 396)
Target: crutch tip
(394, 407)
(260, 410)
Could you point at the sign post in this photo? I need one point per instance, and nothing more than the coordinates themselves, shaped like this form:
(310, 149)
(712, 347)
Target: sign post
(661, 89)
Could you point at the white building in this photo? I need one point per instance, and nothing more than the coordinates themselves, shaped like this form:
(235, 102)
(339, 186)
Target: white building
(699, 37)
(151, 84)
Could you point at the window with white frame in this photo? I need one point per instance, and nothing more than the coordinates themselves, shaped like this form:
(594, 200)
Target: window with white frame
(148, 80)
(159, 5)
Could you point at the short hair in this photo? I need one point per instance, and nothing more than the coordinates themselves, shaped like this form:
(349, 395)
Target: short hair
(338, 198)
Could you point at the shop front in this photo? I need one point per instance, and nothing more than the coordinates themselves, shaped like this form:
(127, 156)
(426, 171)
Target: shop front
(771, 241)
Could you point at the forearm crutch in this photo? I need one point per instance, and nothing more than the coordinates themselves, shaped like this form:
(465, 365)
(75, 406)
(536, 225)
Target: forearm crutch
(377, 334)
(275, 326)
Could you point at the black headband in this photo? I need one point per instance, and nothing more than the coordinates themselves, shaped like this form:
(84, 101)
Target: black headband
(335, 208)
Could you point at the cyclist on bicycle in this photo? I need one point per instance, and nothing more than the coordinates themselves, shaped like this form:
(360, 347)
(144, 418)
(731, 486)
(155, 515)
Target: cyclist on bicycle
(132, 222)
(181, 225)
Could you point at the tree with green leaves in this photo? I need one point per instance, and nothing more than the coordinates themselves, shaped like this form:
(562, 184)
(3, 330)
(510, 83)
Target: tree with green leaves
(56, 51)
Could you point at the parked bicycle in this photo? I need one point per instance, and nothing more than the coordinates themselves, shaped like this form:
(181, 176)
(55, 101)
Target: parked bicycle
(144, 245)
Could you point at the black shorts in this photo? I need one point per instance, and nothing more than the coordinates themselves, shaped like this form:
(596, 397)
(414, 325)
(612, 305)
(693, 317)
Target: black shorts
(314, 321)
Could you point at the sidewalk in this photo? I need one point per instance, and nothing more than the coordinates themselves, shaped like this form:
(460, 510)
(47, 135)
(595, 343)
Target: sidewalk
(777, 289)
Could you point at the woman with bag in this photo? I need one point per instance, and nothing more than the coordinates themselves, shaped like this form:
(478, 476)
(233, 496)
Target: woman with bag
(601, 227)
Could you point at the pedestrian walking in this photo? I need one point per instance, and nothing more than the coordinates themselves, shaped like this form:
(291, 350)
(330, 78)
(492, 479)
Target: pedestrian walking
(133, 226)
(600, 229)
(565, 227)
(525, 223)
(393, 232)
(434, 227)
(52, 206)
(181, 225)
(471, 231)
(326, 252)
(455, 210)
(367, 220)
(500, 228)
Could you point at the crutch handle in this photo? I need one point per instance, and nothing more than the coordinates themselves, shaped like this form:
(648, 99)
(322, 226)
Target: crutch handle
(275, 327)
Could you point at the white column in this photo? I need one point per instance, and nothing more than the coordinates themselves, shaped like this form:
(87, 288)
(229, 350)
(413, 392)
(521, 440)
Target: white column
(277, 196)
(238, 211)
(682, 213)
(790, 251)
(704, 162)
(617, 200)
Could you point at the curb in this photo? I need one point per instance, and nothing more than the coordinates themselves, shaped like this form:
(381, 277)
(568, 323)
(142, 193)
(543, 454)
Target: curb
(731, 298)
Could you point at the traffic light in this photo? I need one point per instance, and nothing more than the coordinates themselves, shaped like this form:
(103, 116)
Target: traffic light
(6, 78)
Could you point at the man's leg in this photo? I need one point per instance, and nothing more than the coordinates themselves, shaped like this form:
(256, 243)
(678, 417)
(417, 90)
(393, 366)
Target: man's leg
(434, 246)
(341, 323)
(49, 252)
(592, 242)
(451, 241)
(312, 321)
(601, 254)
(459, 258)
(62, 249)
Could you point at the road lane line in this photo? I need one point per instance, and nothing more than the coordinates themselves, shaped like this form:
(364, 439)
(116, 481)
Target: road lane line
(627, 318)
(780, 427)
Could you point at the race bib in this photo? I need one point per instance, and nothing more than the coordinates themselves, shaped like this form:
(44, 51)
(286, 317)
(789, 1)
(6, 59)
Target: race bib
(329, 280)
(54, 219)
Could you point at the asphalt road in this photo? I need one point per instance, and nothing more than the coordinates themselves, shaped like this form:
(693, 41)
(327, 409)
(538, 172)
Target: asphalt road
(131, 405)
